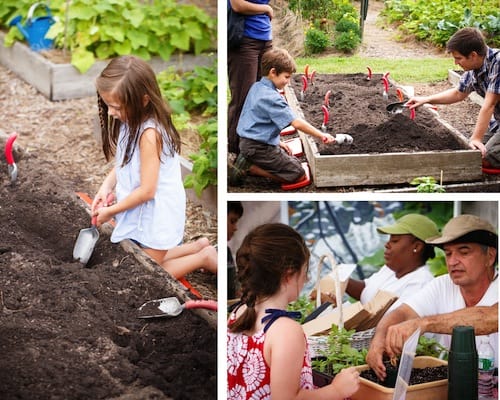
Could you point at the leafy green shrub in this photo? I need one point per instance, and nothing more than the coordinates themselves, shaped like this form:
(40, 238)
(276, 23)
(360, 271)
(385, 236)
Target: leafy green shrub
(204, 172)
(435, 22)
(340, 9)
(311, 9)
(195, 92)
(347, 30)
(348, 24)
(101, 29)
(347, 41)
(316, 41)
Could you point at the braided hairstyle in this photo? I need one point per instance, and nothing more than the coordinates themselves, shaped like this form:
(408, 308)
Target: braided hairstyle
(130, 79)
(267, 255)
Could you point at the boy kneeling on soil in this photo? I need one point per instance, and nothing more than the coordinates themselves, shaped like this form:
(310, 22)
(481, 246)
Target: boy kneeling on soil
(264, 115)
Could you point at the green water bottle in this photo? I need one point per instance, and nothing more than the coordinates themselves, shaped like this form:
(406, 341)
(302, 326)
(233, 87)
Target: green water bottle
(462, 365)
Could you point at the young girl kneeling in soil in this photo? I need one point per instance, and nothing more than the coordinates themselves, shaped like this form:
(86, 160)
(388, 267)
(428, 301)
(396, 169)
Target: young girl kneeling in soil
(137, 129)
(267, 355)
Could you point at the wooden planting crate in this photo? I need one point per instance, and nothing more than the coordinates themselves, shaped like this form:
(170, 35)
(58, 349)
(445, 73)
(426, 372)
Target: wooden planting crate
(388, 168)
(437, 390)
(368, 390)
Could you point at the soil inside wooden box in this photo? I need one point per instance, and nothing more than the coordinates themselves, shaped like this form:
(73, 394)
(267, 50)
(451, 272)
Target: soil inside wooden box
(418, 375)
(72, 332)
(357, 108)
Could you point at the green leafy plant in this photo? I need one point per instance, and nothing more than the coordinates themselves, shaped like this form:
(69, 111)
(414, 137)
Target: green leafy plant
(339, 353)
(195, 92)
(347, 41)
(311, 9)
(302, 304)
(427, 184)
(204, 172)
(101, 29)
(348, 23)
(190, 91)
(431, 348)
(316, 41)
(435, 22)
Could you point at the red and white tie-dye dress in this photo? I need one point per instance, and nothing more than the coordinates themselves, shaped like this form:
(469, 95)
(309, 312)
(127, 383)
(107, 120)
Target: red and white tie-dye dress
(247, 372)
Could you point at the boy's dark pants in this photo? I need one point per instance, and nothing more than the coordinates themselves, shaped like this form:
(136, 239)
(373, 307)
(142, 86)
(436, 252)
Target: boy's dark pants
(244, 71)
(272, 159)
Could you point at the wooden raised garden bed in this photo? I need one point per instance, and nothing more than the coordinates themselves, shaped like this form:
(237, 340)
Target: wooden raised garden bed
(63, 81)
(357, 108)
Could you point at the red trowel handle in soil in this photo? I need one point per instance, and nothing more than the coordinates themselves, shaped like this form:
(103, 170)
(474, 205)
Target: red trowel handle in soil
(8, 148)
(207, 304)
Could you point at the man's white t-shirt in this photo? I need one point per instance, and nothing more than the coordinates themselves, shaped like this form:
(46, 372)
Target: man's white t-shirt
(442, 296)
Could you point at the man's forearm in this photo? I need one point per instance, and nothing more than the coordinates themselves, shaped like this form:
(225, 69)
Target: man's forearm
(483, 319)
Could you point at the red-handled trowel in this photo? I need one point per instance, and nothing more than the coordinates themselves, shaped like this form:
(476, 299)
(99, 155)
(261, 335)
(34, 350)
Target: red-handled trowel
(11, 165)
(171, 307)
(87, 238)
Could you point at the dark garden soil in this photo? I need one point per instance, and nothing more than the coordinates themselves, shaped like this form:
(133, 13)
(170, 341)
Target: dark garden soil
(418, 375)
(357, 108)
(72, 332)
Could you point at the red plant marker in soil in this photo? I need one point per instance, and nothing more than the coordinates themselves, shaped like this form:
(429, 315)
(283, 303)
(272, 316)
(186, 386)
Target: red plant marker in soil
(369, 76)
(304, 87)
(412, 113)
(326, 102)
(400, 95)
(11, 165)
(313, 75)
(385, 93)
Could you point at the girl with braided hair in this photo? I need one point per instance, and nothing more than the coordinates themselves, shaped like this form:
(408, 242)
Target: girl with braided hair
(137, 130)
(267, 352)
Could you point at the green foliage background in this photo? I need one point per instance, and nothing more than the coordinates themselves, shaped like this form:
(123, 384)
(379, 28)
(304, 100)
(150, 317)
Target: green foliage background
(101, 29)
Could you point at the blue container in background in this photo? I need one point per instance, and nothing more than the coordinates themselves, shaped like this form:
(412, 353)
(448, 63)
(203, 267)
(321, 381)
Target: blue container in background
(35, 28)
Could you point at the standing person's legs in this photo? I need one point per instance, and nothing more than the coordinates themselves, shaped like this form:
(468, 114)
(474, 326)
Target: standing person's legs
(243, 71)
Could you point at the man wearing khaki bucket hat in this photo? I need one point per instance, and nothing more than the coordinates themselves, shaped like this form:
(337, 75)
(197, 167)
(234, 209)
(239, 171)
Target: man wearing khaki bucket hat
(470, 245)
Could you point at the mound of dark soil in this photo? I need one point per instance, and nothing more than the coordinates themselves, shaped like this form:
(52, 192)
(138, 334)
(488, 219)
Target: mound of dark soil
(418, 375)
(72, 332)
(357, 108)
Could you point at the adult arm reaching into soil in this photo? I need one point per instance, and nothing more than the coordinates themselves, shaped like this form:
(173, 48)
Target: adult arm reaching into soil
(453, 95)
(397, 329)
(449, 96)
(381, 342)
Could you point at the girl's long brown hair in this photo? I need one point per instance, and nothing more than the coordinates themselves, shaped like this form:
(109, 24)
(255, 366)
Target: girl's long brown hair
(268, 253)
(131, 79)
